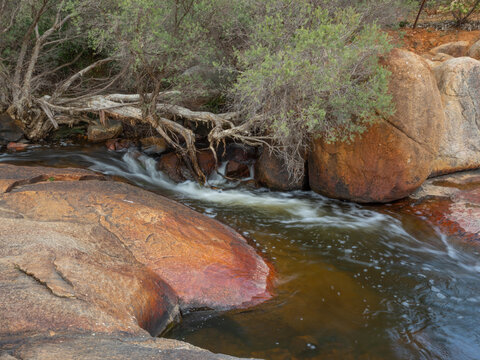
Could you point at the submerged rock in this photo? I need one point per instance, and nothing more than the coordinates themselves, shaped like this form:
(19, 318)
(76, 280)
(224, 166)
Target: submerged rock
(394, 156)
(81, 256)
(15, 146)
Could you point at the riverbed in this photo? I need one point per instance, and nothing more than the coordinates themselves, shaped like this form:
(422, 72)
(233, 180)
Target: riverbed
(353, 282)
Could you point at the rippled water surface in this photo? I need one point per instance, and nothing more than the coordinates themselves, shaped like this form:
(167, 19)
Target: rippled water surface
(354, 282)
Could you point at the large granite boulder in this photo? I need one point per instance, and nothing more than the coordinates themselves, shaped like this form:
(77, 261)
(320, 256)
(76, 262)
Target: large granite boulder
(459, 147)
(85, 261)
(474, 51)
(393, 157)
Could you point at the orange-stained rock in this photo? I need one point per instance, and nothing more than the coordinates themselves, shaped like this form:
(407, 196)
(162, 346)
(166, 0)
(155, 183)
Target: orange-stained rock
(393, 157)
(206, 161)
(101, 347)
(205, 262)
(64, 276)
(173, 167)
(153, 145)
(89, 268)
(99, 133)
(13, 146)
(474, 51)
(271, 172)
(14, 176)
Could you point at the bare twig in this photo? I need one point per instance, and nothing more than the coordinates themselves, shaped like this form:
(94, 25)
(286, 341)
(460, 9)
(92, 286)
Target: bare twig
(419, 12)
(67, 83)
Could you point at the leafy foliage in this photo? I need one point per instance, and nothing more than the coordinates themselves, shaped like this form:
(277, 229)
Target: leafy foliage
(293, 69)
(309, 74)
(461, 10)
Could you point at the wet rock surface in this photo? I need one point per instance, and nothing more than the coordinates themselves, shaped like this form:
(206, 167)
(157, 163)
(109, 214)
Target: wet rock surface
(175, 168)
(451, 203)
(16, 146)
(243, 154)
(84, 260)
(100, 346)
(153, 145)
(119, 144)
(236, 170)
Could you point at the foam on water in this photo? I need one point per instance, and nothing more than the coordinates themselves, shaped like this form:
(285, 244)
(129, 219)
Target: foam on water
(295, 208)
(407, 286)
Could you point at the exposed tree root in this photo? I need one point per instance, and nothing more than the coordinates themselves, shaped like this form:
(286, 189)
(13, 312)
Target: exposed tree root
(51, 112)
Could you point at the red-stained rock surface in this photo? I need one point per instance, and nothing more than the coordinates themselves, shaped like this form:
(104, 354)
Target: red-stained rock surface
(451, 203)
(172, 165)
(205, 262)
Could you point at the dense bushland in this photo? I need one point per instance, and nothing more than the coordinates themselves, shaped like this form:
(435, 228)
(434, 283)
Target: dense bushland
(285, 70)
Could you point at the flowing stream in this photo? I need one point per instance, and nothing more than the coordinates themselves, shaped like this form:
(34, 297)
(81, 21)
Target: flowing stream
(354, 282)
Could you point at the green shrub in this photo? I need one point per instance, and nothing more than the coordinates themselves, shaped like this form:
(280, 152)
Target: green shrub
(461, 10)
(309, 74)
(295, 69)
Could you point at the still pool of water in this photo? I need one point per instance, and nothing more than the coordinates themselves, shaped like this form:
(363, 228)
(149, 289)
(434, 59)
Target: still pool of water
(354, 282)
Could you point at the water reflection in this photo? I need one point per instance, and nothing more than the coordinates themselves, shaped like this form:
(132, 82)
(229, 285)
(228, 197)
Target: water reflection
(354, 282)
